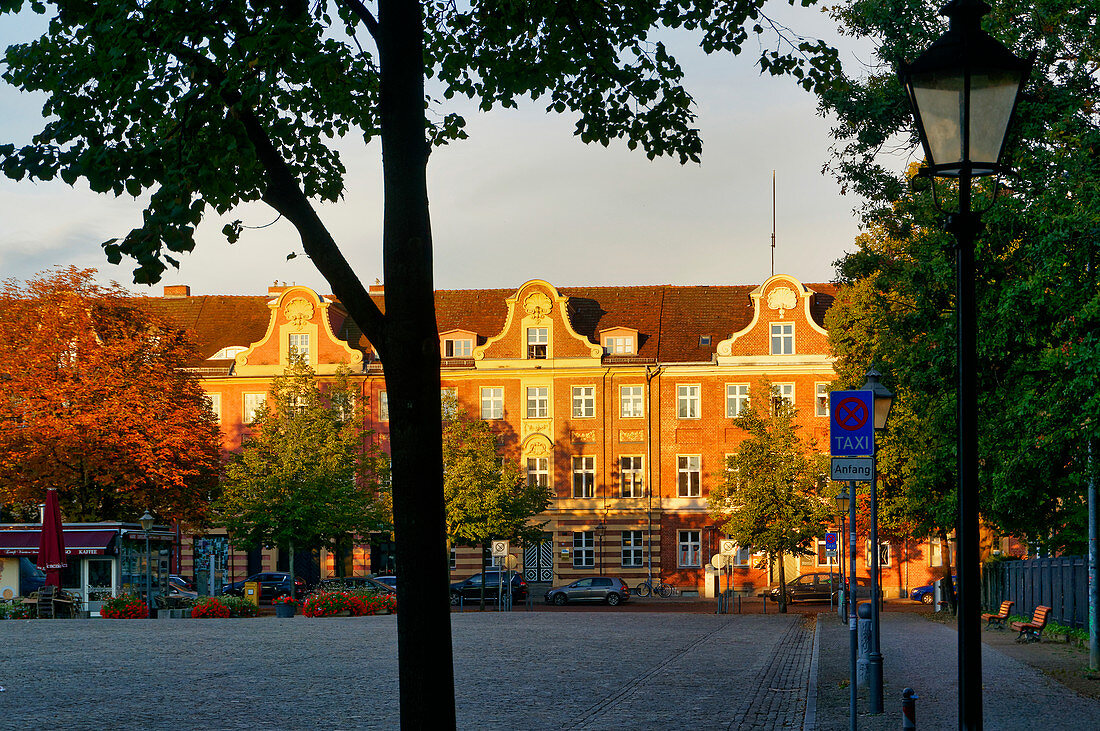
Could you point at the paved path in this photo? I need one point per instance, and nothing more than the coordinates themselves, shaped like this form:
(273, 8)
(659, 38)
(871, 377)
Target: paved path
(921, 654)
(576, 670)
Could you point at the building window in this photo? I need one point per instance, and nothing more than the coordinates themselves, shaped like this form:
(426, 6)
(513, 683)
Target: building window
(538, 402)
(252, 404)
(492, 403)
(618, 345)
(823, 559)
(782, 338)
(383, 406)
(883, 553)
(687, 402)
(214, 401)
(537, 340)
(689, 475)
(631, 405)
(584, 476)
(584, 402)
(458, 348)
(452, 559)
(298, 348)
(782, 393)
(936, 554)
(742, 556)
(630, 476)
(448, 398)
(821, 399)
(584, 550)
(632, 548)
(737, 399)
(689, 548)
(538, 471)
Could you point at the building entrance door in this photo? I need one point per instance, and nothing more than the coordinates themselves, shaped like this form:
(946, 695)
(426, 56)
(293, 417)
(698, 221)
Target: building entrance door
(99, 582)
(538, 560)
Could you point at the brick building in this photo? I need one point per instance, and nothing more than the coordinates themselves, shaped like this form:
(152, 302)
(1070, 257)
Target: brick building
(619, 398)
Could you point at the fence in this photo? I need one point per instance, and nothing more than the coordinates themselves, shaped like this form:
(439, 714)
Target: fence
(1059, 583)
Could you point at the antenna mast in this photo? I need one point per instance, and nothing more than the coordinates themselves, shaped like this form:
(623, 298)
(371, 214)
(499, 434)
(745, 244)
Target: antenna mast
(773, 223)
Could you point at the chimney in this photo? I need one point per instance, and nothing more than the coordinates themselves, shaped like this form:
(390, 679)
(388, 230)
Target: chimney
(177, 290)
(376, 289)
(276, 289)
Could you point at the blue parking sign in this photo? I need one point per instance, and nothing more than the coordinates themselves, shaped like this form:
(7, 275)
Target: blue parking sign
(852, 424)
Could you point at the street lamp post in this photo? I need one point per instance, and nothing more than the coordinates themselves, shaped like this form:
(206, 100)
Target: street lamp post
(883, 400)
(147, 525)
(846, 502)
(963, 91)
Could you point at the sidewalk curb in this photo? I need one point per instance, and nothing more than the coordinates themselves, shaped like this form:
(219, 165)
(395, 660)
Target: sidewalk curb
(809, 721)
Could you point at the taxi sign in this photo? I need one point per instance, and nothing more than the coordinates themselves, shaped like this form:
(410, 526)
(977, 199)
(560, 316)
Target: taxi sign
(852, 423)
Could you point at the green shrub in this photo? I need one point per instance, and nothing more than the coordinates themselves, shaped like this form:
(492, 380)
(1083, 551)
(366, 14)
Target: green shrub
(239, 606)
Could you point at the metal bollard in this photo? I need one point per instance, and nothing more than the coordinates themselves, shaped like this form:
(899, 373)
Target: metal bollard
(909, 709)
(863, 632)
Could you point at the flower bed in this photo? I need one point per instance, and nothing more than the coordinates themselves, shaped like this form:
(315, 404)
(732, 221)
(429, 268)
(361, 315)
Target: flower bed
(355, 604)
(211, 608)
(125, 606)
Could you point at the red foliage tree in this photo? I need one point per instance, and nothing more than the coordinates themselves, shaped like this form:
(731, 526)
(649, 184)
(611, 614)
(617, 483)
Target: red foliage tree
(95, 402)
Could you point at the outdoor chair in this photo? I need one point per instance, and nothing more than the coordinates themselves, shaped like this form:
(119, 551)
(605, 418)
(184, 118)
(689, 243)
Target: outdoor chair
(46, 595)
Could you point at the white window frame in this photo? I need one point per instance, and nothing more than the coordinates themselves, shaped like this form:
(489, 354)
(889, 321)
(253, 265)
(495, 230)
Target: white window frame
(821, 398)
(631, 476)
(215, 402)
(884, 550)
(251, 403)
(538, 343)
(689, 470)
(584, 402)
(690, 549)
(783, 391)
(618, 345)
(492, 402)
(584, 476)
(538, 402)
(688, 400)
(538, 471)
(584, 549)
(742, 556)
(737, 399)
(633, 548)
(383, 406)
(782, 338)
(820, 554)
(295, 350)
(632, 401)
(458, 347)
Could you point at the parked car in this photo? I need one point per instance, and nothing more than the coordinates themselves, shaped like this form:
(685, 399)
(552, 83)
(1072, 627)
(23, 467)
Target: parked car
(816, 587)
(178, 582)
(31, 578)
(926, 594)
(272, 584)
(338, 583)
(471, 588)
(389, 580)
(611, 590)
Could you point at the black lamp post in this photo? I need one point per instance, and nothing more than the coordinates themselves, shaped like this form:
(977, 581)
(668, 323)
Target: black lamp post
(883, 400)
(842, 511)
(847, 502)
(147, 525)
(964, 90)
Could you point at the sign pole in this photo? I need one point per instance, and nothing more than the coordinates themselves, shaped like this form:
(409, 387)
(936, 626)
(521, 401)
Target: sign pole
(853, 587)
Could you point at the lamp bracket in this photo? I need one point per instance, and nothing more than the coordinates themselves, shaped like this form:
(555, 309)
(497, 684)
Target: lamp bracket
(964, 225)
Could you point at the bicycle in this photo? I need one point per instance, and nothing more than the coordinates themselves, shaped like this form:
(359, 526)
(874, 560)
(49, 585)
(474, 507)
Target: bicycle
(660, 588)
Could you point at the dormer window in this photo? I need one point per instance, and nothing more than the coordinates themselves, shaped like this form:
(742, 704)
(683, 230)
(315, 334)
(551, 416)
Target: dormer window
(782, 338)
(618, 345)
(457, 348)
(538, 338)
(229, 352)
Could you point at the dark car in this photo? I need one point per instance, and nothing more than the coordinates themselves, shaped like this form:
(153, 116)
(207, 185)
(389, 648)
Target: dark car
(31, 578)
(816, 587)
(926, 594)
(272, 584)
(354, 583)
(388, 579)
(180, 583)
(611, 590)
(470, 589)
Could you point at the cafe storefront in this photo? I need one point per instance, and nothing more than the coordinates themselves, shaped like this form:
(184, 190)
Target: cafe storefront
(104, 559)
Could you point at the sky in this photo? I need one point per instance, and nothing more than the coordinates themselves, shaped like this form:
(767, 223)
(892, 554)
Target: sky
(521, 199)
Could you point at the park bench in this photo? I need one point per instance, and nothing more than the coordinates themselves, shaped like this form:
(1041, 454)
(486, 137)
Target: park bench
(1033, 630)
(999, 618)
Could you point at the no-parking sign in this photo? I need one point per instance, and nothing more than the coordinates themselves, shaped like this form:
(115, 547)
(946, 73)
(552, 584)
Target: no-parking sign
(852, 423)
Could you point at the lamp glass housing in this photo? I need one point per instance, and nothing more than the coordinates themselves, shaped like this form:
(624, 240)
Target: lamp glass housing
(842, 501)
(146, 522)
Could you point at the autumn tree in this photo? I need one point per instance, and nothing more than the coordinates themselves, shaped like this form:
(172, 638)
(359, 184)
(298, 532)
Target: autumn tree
(309, 476)
(487, 495)
(770, 498)
(96, 402)
(202, 105)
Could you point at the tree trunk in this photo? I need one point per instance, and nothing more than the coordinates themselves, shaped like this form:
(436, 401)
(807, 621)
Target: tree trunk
(782, 586)
(949, 586)
(410, 352)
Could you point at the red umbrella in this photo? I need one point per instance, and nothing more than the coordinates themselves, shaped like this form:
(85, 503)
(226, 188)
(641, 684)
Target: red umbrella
(51, 546)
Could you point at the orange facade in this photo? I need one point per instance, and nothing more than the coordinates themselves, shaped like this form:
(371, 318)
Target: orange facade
(619, 398)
